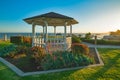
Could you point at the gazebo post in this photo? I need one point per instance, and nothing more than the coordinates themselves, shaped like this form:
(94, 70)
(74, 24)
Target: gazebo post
(43, 35)
(70, 30)
(33, 34)
(46, 35)
(70, 34)
(43, 31)
(54, 33)
(55, 30)
(65, 31)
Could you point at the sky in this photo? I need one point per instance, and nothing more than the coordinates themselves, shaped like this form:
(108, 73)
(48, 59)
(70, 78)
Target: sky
(95, 16)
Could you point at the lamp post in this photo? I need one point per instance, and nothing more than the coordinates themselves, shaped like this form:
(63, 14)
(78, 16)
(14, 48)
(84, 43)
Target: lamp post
(95, 40)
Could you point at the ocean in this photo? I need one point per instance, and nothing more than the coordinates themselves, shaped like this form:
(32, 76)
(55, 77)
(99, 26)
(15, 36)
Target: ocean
(100, 35)
(19, 34)
(15, 34)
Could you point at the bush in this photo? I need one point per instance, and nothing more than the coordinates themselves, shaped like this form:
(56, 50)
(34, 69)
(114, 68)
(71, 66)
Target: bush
(22, 49)
(16, 39)
(64, 60)
(38, 53)
(75, 39)
(21, 40)
(27, 40)
(8, 50)
(4, 43)
(80, 49)
(88, 35)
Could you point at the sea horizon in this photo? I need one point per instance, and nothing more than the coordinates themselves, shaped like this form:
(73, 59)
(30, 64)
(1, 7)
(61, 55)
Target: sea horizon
(9, 34)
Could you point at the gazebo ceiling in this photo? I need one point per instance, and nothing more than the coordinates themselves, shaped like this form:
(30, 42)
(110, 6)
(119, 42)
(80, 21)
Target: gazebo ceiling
(53, 19)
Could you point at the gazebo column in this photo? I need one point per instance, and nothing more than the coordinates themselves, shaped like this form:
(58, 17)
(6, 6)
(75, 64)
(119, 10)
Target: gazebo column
(70, 30)
(46, 34)
(65, 31)
(33, 34)
(70, 36)
(55, 34)
(55, 30)
(43, 33)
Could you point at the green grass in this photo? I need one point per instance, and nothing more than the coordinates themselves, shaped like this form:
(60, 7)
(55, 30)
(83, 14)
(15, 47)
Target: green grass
(110, 71)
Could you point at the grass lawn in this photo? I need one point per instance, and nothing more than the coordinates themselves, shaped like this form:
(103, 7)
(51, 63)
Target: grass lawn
(110, 71)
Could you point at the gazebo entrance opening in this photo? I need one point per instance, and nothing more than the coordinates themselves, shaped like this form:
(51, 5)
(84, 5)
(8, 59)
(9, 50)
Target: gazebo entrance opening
(53, 42)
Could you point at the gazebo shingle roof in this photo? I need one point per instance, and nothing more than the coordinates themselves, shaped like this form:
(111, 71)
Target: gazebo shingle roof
(51, 15)
(53, 19)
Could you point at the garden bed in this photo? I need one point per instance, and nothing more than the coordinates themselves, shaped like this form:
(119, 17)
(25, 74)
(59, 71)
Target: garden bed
(110, 70)
(26, 64)
(26, 60)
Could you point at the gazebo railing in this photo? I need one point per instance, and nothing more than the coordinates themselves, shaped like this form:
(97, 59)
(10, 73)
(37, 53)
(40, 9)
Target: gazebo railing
(39, 41)
(55, 39)
(53, 43)
(60, 45)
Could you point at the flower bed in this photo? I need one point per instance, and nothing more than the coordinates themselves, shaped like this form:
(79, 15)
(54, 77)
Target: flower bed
(59, 60)
(35, 59)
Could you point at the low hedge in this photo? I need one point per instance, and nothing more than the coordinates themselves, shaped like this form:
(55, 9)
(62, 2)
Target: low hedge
(102, 42)
(16, 39)
(19, 40)
(78, 48)
(75, 39)
(7, 50)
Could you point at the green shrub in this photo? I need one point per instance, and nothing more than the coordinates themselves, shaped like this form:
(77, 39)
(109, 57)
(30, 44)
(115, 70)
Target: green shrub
(59, 60)
(38, 53)
(88, 35)
(16, 39)
(75, 39)
(22, 49)
(80, 49)
(47, 62)
(4, 43)
(27, 40)
(21, 40)
(7, 50)
(102, 42)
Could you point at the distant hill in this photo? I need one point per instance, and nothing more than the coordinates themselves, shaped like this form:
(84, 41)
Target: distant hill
(115, 33)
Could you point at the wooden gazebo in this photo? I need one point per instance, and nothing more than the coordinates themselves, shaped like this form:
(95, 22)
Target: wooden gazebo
(55, 20)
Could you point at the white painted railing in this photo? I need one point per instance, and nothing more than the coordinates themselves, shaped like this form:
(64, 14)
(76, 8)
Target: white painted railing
(39, 41)
(54, 42)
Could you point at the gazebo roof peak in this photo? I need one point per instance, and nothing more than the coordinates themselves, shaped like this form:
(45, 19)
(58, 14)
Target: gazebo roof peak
(53, 19)
(56, 15)
(50, 15)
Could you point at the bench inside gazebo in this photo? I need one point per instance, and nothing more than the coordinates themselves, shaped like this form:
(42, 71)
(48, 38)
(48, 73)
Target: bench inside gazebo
(54, 42)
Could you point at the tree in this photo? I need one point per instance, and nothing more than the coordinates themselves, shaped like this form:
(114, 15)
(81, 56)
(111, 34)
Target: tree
(88, 35)
(115, 33)
(79, 35)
